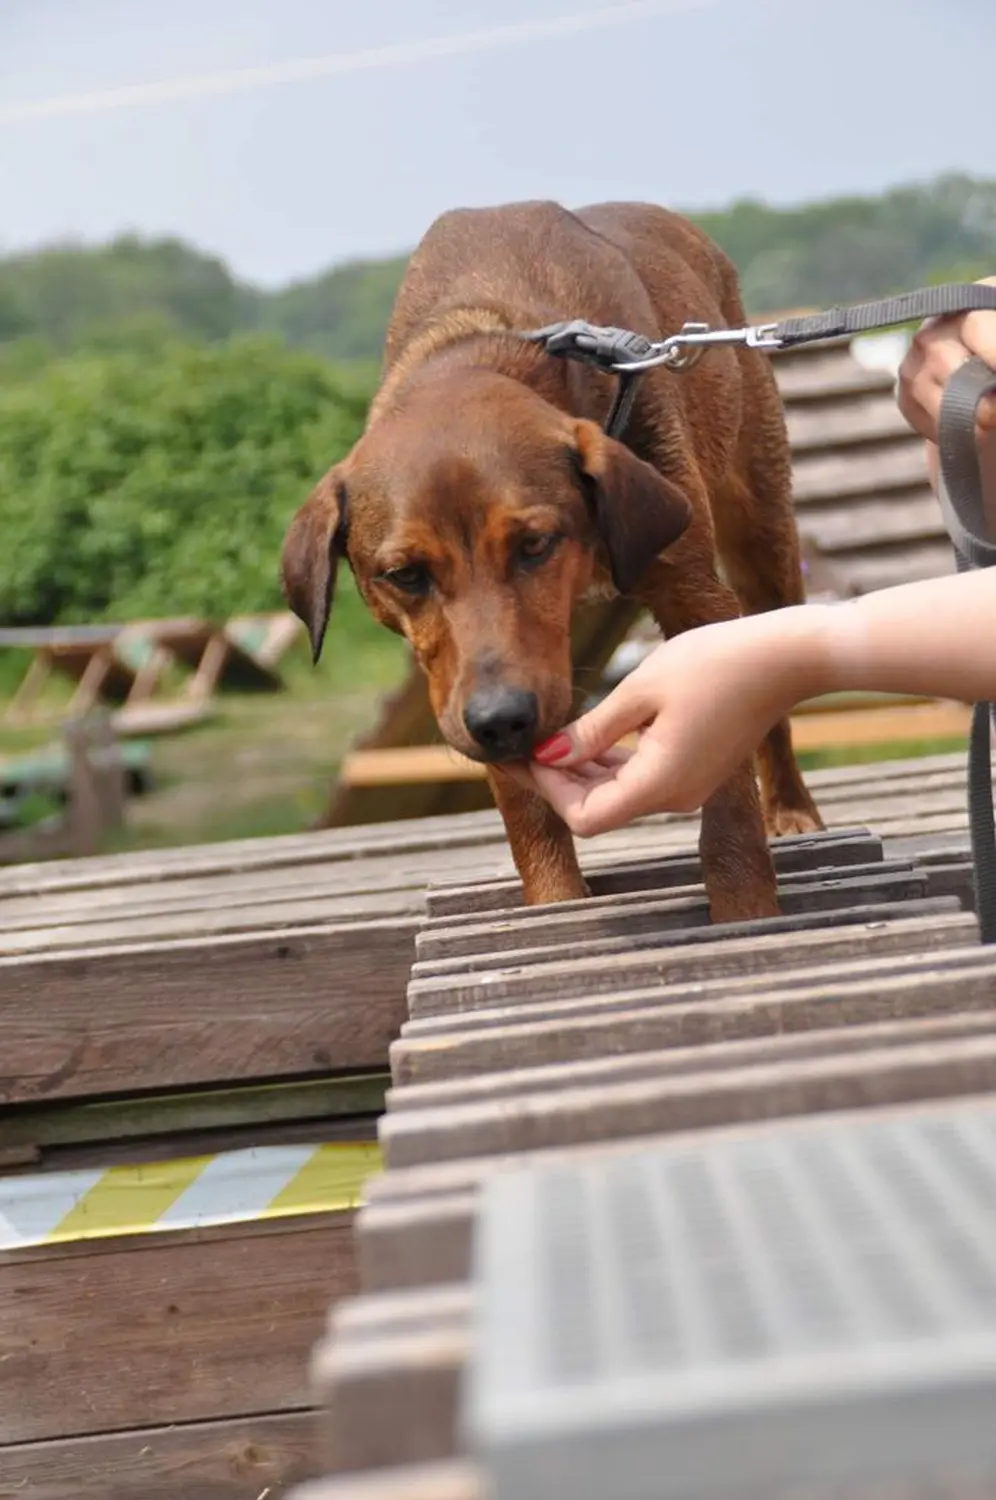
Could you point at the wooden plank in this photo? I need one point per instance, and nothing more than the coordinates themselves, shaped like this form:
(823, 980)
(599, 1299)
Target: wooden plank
(406, 905)
(266, 853)
(125, 1020)
(414, 1376)
(365, 1318)
(907, 515)
(443, 1064)
(253, 888)
(690, 958)
(826, 1015)
(166, 1328)
(239, 1459)
(630, 913)
(416, 1241)
(871, 469)
(884, 948)
(662, 1105)
(888, 567)
(845, 422)
(827, 374)
(463, 903)
(684, 920)
(453, 1480)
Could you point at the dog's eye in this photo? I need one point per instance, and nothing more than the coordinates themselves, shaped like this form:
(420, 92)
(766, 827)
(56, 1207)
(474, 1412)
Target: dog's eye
(535, 549)
(411, 580)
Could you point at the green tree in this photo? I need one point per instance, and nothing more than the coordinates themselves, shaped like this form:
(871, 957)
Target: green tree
(70, 294)
(133, 487)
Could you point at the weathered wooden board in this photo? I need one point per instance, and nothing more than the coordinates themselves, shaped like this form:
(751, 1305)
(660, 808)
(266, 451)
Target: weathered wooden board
(489, 1062)
(239, 1459)
(820, 954)
(662, 1104)
(413, 1375)
(466, 903)
(165, 1328)
(439, 945)
(218, 920)
(120, 1020)
(894, 464)
(696, 955)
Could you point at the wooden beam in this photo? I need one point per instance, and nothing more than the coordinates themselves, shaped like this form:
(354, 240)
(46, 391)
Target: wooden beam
(241, 1458)
(163, 1328)
(300, 1002)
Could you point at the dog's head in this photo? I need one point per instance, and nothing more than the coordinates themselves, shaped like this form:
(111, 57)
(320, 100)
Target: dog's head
(474, 517)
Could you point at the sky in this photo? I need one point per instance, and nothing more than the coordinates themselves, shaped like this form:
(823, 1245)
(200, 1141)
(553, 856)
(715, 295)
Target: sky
(357, 124)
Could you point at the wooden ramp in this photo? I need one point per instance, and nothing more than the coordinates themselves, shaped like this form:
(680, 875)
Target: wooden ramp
(540, 1035)
(867, 518)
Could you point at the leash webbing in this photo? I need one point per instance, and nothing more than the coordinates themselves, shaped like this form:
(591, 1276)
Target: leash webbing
(962, 504)
(866, 317)
(625, 354)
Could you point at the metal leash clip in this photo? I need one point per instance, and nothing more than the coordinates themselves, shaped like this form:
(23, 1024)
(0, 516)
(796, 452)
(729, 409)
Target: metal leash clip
(621, 351)
(682, 350)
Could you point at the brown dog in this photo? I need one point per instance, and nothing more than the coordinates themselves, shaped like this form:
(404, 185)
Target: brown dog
(484, 502)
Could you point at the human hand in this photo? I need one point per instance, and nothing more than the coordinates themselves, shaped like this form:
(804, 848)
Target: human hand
(937, 350)
(701, 704)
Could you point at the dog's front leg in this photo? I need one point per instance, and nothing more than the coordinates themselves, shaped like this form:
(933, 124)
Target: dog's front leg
(541, 843)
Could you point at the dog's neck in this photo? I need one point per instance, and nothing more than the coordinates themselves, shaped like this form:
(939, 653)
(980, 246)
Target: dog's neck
(474, 338)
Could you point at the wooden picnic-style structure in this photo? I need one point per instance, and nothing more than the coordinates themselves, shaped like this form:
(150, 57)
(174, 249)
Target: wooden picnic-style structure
(122, 667)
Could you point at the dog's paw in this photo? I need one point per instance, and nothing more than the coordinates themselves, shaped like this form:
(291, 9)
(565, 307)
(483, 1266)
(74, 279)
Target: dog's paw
(780, 822)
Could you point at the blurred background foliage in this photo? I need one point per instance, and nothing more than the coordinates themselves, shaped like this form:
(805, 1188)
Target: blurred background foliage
(160, 420)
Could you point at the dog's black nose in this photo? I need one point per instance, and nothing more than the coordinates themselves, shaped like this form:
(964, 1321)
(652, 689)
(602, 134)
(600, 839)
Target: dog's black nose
(502, 720)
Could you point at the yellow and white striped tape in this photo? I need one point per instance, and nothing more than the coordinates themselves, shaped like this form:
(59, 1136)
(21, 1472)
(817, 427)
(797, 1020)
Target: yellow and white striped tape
(262, 1182)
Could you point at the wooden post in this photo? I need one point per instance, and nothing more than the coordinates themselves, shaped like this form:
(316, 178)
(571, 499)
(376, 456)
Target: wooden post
(96, 789)
(18, 709)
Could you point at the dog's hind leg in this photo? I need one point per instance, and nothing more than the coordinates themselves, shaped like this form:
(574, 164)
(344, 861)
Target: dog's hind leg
(759, 547)
(737, 867)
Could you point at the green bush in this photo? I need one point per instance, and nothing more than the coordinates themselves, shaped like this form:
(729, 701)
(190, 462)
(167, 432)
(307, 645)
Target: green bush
(136, 486)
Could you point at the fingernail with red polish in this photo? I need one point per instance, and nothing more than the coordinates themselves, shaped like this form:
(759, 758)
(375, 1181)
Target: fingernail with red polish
(553, 749)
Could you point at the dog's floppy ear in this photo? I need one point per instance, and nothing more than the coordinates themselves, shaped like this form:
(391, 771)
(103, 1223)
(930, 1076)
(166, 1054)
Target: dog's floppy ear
(636, 510)
(313, 545)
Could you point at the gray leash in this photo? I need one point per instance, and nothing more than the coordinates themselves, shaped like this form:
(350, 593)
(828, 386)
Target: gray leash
(962, 504)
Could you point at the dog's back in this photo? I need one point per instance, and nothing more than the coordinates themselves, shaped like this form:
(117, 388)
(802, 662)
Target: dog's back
(627, 264)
